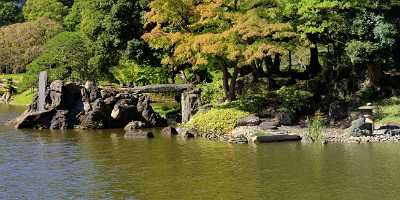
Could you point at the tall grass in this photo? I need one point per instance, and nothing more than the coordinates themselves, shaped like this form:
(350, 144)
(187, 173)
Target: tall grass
(316, 127)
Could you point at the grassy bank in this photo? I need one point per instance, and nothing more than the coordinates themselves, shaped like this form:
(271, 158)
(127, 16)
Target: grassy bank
(388, 111)
(24, 98)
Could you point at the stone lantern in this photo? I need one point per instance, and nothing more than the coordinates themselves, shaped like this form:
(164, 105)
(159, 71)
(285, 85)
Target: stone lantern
(367, 114)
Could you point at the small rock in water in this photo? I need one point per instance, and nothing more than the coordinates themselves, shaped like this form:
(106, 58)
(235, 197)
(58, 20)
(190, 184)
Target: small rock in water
(134, 125)
(185, 132)
(138, 134)
(169, 131)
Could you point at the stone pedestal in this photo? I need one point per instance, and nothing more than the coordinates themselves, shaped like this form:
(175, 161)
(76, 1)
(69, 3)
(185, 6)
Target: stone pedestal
(190, 104)
(42, 90)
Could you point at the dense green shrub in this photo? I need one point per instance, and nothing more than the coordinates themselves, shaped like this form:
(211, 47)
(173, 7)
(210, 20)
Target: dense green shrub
(293, 99)
(211, 92)
(64, 57)
(139, 74)
(21, 43)
(217, 120)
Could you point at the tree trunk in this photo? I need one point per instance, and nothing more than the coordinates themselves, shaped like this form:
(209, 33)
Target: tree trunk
(225, 80)
(314, 68)
(375, 74)
(232, 88)
(269, 64)
(290, 61)
(183, 76)
(277, 63)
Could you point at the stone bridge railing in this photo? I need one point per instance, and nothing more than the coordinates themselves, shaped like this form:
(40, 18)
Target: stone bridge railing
(160, 88)
(190, 97)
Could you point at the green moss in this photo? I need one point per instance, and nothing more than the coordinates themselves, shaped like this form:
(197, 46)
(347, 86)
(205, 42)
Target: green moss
(217, 120)
(388, 111)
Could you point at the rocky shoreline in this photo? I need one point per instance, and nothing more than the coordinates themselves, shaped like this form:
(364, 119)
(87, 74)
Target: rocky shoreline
(68, 106)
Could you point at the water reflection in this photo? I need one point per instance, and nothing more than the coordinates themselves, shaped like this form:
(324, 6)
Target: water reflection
(82, 164)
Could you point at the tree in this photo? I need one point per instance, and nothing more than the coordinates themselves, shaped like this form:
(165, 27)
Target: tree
(317, 22)
(372, 45)
(21, 43)
(231, 34)
(52, 9)
(64, 57)
(9, 13)
(111, 26)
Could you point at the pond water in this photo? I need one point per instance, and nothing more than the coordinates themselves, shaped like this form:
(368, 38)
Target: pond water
(104, 165)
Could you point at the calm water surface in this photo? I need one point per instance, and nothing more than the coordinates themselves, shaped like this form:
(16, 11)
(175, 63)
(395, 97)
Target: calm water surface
(104, 165)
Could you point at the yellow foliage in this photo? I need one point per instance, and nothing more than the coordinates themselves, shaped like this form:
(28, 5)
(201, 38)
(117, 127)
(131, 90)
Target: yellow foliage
(207, 29)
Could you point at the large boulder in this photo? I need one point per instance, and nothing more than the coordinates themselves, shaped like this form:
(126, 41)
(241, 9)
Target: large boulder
(96, 118)
(35, 119)
(251, 120)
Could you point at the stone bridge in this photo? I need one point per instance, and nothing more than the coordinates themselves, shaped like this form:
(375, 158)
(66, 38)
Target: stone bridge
(190, 97)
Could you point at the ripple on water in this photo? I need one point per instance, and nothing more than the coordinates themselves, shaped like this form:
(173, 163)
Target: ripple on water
(103, 165)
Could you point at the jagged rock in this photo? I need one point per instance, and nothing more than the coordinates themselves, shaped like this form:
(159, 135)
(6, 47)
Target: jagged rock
(71, 105)
(56, 89)
(138, 134)
(169, 131)
(134, 125)
(96, 118)
(124, 111)
(36, 119)
(60, 120)
(251, 120)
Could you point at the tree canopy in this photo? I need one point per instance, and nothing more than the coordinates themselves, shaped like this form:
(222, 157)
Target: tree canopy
(52, 9)
(65, 57)
(232, 33)
(21, 43)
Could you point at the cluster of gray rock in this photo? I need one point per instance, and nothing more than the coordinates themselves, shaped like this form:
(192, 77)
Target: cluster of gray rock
(253, 129)
(363, 139)
(361, 132)
(89, 107)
